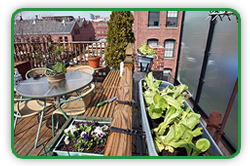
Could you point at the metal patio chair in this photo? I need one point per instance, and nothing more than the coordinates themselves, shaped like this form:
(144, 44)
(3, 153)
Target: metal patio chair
(74, 105)
(27, 107)
(35, 71)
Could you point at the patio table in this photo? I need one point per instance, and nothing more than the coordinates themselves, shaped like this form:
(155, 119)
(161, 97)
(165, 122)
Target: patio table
(41, 88)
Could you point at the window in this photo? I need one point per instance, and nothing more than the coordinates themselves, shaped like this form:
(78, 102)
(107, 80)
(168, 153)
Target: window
(154, 18)
(172, 19)
(66, 38)
(60, 39)
(152, 42)
(169, 49)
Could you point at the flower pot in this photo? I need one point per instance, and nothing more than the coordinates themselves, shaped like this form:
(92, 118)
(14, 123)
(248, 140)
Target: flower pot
(94, 61)
(144, 62)
(212, 151)
(56, 78)
(59, 138)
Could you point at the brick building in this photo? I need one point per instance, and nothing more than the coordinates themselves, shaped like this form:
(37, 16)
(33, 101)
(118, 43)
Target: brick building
(62, 28)
(161, 30)
(101, 29)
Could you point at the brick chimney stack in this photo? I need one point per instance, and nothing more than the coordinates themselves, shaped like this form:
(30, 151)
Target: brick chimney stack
(36, 17)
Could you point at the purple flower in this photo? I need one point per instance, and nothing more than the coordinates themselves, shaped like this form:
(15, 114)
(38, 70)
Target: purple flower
(82, 145)
(88, 122)
(86, 137)
(75, 141)
(93, 121)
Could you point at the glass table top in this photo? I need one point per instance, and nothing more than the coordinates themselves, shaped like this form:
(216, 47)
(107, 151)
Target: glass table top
(41, 88)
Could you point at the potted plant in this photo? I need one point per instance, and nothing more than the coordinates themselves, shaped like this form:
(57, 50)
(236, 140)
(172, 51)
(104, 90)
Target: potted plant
(56, 65)
(171, 126)
(145, 56)
(119, 35)
(94, 60)
(81, 136)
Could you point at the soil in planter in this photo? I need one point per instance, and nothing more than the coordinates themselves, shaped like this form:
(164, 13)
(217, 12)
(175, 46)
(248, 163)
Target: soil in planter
(96, 148)
(153, 123)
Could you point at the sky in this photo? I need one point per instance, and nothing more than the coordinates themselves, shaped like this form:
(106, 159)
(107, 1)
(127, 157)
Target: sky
(82, 14)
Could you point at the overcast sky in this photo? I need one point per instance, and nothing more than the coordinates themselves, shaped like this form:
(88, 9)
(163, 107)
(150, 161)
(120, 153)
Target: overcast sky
(82, 14)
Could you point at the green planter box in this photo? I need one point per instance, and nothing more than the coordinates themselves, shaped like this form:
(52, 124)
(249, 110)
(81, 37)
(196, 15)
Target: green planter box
(60, 136)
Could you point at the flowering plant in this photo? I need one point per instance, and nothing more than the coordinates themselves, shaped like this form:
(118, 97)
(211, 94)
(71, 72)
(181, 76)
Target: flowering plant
(85, 135)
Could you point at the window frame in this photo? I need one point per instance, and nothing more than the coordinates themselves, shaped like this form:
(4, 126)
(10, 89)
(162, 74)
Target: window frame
(153, 39)
(154, 26)
(173, 48)
(176, 19)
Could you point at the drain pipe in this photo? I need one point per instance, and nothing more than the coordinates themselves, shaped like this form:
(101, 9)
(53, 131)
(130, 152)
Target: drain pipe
(214, 122)
(228, 110)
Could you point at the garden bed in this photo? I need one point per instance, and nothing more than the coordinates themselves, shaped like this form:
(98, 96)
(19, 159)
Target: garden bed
(60, 148)
(148, 124)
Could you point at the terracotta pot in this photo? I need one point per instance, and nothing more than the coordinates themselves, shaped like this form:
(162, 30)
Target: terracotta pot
(94, 61)
(55, 78)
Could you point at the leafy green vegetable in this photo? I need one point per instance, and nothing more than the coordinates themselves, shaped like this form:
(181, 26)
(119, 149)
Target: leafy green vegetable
(144, 50)
(156, 109)
(171, 115)
(181, 124)
(201, 146)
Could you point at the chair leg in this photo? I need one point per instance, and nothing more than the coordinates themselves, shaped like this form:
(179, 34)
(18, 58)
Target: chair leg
(39, 127)
(15, 124)
(53, 132)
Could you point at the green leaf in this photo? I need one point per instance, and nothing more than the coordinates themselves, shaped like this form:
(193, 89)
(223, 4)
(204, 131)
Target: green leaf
(160, 102)
(158, 145)
(171, 101)
(154, 112)
(149, 97)
(179, 89)
(203, 144)
(197, 131)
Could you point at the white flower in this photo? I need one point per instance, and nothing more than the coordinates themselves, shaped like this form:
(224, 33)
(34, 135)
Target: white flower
(71, 129)
(98, 132)
(66, 140)
(83, 134)
(105, 127)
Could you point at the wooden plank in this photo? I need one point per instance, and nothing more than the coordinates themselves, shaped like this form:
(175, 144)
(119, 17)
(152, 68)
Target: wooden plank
(119, 144)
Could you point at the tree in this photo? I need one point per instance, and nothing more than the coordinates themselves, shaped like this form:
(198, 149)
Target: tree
(119, 34)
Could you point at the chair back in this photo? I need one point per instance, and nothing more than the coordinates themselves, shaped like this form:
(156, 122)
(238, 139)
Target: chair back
(34, 72)
(87, 95)
(16, 106)
(86, 69)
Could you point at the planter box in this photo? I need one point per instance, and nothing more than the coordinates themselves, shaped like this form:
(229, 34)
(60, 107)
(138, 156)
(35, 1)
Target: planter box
(212, 151)
(60, 136)
(144, 62)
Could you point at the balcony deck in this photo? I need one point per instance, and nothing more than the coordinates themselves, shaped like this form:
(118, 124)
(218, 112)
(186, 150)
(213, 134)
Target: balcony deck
(26, 129)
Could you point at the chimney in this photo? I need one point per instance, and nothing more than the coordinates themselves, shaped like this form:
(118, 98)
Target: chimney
(36, 17)
(21, 18)
(63, 22)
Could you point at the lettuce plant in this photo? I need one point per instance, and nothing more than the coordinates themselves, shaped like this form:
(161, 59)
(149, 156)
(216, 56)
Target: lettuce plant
(181, 123)
(144, 50)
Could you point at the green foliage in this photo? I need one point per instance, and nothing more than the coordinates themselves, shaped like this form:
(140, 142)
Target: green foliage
(144, 50)
(86, 135)
(119, 34)
(181, 123)
(59, 67)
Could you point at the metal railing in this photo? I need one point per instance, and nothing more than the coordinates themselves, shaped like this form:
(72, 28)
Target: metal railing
(73, 52)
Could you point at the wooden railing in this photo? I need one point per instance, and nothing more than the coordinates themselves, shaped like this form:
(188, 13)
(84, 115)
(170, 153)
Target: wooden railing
(74, 52)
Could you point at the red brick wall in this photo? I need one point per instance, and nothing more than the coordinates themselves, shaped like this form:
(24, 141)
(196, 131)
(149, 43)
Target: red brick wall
(143, 33)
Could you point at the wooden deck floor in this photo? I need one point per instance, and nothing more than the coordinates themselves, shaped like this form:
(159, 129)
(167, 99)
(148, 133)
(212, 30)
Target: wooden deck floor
(26, 129)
